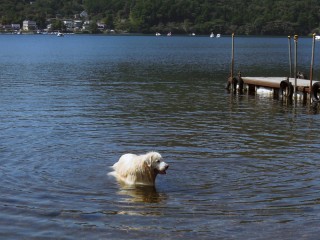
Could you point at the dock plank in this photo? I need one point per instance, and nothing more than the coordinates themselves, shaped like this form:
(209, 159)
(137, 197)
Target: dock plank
(274, 82)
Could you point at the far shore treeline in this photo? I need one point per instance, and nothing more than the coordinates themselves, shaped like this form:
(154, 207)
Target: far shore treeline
(249, 17)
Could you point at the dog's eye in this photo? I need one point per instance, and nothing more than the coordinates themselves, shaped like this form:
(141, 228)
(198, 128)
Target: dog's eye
(158, 161)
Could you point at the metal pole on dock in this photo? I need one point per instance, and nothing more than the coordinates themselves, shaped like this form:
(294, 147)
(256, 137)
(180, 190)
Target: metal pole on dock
(295, 65)
(312, 62)
(290, 58)
(232, 62)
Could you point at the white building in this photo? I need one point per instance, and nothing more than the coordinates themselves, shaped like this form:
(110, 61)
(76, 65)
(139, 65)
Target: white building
(101, 26)
(68, 23)
(29, 25)
(77, 23)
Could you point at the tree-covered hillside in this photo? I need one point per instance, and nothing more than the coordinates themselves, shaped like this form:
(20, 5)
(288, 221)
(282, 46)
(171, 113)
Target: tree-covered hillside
(253, 17)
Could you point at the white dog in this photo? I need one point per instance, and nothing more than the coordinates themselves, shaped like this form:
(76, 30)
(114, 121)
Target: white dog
(139, 169)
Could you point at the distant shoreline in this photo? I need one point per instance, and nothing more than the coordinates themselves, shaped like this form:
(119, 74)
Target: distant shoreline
(147, 34)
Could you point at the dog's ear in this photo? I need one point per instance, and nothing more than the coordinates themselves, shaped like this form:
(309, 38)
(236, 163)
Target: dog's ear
(148, 161)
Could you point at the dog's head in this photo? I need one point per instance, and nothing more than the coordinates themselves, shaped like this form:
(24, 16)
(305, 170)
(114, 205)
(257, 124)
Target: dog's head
(156, 163)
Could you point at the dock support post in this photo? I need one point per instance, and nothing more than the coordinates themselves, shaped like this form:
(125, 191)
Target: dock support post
(295, 66)
(311, 66)
(232, 62)
(290, 58)
(232, 83)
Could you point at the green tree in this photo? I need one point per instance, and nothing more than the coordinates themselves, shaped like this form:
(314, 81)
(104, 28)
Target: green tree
(57, 25)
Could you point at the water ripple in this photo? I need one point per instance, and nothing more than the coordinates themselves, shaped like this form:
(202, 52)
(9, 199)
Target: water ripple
(241, 166)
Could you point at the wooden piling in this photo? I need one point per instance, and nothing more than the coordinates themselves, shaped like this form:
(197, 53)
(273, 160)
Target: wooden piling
(232, 62)
(312, 63)
(295, 65)
(290, 58)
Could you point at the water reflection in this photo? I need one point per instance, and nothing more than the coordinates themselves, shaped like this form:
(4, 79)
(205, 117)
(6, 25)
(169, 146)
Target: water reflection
(145, 194)
(241, 164)
(302, 103)
(314, 108)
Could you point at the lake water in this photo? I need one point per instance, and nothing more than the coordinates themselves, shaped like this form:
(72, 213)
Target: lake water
(241, 166)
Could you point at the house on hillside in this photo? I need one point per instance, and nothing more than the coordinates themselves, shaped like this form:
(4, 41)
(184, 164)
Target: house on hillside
(11, 27)
(77, 25)
(86, 25)
(84, 14)
(29, 25)
(15, 26)
(68, 23)
(7, 27)
(101, 26)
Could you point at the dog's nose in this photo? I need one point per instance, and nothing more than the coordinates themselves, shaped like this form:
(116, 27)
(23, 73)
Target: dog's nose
(167, 166)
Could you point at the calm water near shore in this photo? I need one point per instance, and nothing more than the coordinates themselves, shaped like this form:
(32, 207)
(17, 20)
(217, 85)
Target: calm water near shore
(241, 167)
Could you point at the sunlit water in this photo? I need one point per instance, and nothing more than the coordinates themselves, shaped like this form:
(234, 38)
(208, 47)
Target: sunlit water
(241, 167)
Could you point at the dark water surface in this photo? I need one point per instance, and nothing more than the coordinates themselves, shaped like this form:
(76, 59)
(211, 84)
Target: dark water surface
(241, 167)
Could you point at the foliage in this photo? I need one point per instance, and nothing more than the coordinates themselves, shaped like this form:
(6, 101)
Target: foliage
(276, 17)
(58, 25)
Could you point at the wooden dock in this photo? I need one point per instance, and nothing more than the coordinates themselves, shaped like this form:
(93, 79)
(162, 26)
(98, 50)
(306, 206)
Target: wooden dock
(303, 85)
(282, 86)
